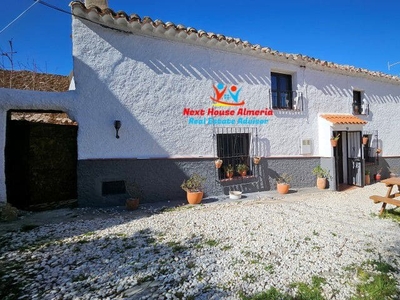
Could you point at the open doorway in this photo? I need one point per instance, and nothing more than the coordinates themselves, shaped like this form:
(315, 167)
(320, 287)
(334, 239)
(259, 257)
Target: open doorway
(40, 159)
(349, 160)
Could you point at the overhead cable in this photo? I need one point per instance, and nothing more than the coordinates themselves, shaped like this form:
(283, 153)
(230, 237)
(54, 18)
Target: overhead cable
(20, 15)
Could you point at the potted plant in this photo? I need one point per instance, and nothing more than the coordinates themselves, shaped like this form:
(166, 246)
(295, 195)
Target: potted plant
(256, 160)
(135, 194)
(218, 163)
(334, 140)
(229, 170)
(194, 188)
(365, 139)
(242, 169)
(282, 183)
(367, 177)
(322, 176)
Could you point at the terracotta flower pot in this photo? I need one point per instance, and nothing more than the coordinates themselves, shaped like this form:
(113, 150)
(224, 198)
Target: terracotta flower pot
(283, 188)
(229, 175)
(218, 163)
(132, 203)
(367, 179)
(334, 143)
(364, 140)
(194, 197)
(243, 173)
(256, 160)
(321, 183)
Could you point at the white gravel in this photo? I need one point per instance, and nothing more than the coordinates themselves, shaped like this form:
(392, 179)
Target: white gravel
(212, 251)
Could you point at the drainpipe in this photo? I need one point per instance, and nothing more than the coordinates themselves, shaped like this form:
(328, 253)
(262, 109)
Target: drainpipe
(99, 3)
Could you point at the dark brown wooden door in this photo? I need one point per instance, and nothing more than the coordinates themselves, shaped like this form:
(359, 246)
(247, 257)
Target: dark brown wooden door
(40, 164)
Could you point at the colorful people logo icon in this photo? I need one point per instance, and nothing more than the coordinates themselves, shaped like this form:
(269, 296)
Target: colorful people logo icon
(222, 98)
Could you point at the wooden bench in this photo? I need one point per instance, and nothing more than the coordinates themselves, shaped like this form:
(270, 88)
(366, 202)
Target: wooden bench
(389, 198)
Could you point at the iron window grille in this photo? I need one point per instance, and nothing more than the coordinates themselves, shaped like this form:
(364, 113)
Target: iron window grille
(293, 100)
(235, 146)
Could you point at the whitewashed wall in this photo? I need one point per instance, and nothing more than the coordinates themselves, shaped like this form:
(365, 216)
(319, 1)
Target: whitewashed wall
(146, 82)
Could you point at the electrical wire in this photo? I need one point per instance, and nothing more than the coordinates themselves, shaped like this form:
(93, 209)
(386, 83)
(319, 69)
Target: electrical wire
(20, 15)
(63, 11)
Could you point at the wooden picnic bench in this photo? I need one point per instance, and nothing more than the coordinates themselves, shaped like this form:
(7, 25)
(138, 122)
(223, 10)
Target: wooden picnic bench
(389, 198)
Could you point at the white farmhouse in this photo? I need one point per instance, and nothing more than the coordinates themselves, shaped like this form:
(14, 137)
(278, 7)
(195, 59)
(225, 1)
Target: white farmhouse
(156, 102)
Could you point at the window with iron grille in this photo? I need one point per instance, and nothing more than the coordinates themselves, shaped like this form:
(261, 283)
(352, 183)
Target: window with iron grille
(281, 90)
(234, 147)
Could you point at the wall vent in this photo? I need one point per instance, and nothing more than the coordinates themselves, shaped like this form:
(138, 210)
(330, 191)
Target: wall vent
(113, 188)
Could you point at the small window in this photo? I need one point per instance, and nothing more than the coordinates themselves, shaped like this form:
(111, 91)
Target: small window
(233, 149)
(357, 102)
(281, 90)
(113, 188)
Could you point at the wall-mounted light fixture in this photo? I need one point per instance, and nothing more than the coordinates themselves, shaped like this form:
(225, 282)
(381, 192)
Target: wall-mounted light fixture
(117, 126)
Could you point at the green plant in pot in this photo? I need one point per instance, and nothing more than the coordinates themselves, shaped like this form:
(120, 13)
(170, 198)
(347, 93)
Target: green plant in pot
(194, 188)
(135, 194)
(229, 171)
(335, 139)
(322, 176)
(282, 183)
(242, 169)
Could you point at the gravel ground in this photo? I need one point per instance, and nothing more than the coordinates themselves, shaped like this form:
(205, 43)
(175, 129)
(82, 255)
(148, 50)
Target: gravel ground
(212, 251)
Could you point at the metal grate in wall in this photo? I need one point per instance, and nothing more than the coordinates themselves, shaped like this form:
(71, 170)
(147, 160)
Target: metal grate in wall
(236, 147)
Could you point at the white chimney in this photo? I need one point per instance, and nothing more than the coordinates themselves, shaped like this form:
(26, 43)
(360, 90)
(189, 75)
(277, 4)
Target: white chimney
(99, 3)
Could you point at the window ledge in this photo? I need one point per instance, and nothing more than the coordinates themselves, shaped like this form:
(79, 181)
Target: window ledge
(237, 180)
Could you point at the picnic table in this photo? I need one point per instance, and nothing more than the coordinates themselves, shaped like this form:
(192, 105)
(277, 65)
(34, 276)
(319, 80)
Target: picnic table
(389, 197)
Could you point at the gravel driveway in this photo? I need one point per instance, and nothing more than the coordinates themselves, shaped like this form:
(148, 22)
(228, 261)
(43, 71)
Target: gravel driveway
(212, 251)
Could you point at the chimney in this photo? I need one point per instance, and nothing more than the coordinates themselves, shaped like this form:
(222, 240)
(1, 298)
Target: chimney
(99, 3)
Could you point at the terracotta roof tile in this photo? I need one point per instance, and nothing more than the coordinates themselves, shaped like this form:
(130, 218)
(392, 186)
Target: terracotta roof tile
(121, 20)
(343, 119)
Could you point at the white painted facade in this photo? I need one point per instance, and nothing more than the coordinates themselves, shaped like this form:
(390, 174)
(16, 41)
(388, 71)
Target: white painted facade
(145, 77)
(146, 81)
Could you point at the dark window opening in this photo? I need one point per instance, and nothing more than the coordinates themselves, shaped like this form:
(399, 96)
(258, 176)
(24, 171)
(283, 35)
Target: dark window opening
(113, 188)
(233, 149)
(281, 89)
(356, 102)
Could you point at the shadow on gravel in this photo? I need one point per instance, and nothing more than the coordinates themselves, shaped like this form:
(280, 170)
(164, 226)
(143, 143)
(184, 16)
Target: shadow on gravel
(113, 265)
(79, 220)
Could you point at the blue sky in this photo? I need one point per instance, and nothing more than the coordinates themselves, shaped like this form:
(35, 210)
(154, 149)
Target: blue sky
(362, 33)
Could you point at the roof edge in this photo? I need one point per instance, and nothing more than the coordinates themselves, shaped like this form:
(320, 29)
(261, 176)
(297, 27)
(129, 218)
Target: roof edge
(134, 23)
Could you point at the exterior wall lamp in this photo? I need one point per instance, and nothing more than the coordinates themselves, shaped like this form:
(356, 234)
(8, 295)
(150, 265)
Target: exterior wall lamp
(117, 126)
